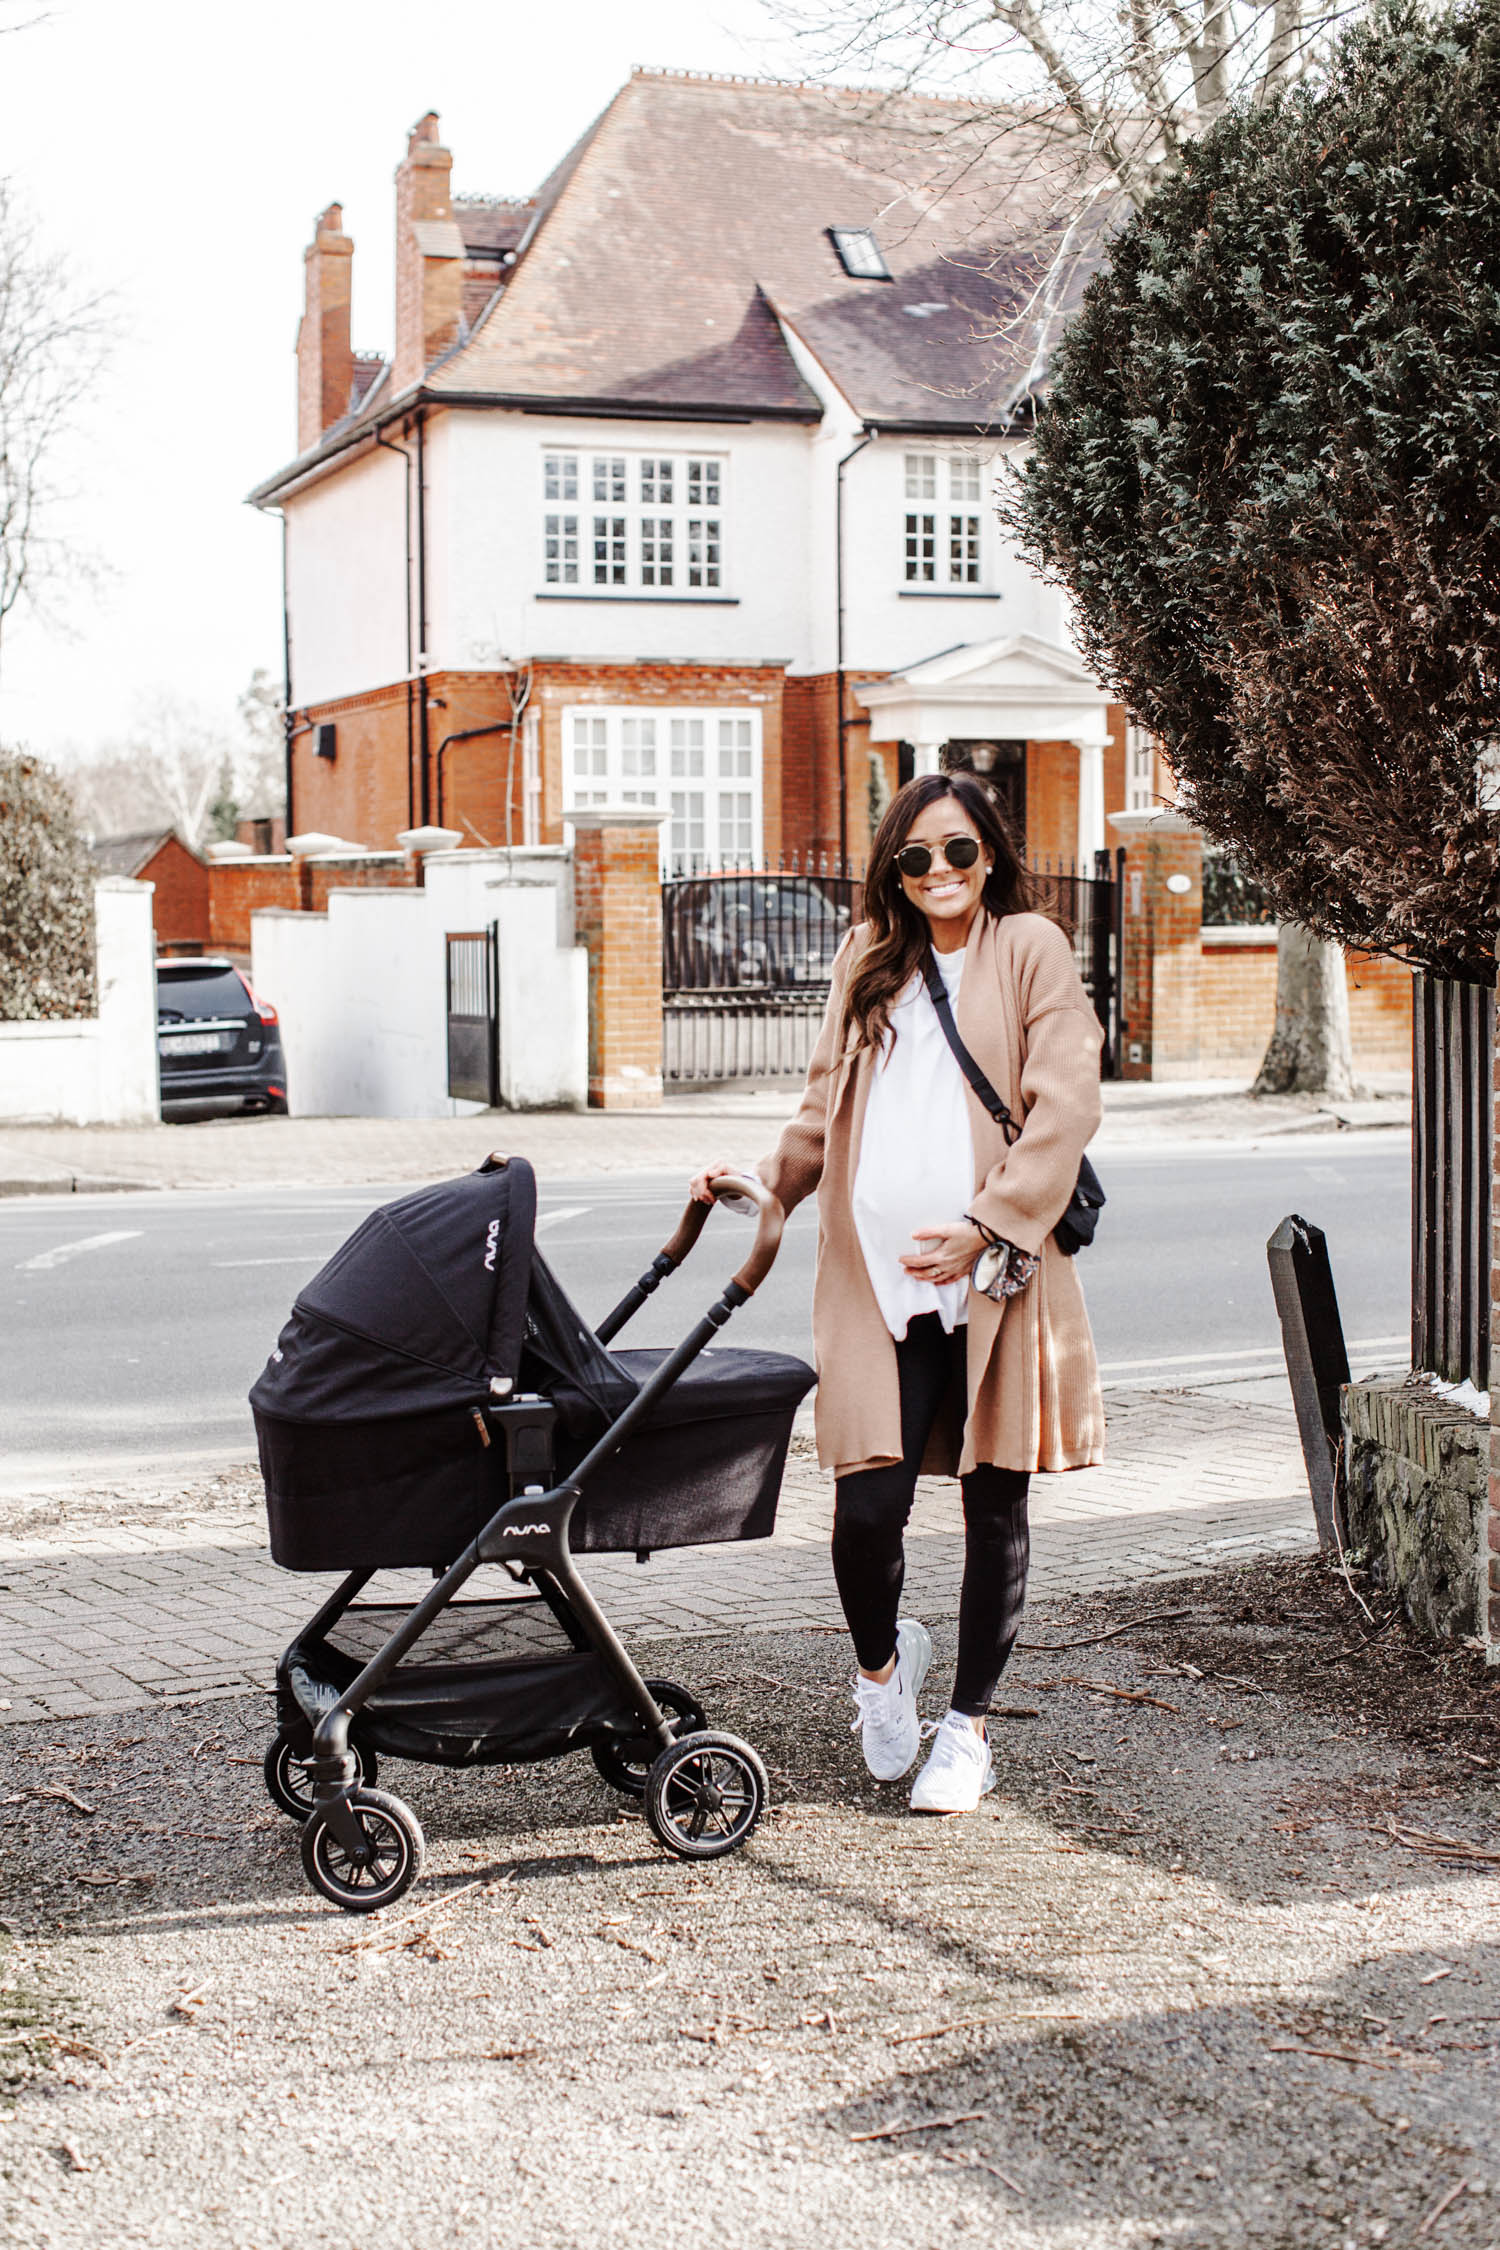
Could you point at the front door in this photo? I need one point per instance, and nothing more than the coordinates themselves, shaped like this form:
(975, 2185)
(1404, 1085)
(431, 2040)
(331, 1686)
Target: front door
(1001, 766)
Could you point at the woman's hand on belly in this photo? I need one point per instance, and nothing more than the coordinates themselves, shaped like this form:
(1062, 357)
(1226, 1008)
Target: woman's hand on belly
(944, 1251)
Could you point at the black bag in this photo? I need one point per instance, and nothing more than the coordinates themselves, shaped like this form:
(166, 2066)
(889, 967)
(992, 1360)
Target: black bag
(1074, 1231)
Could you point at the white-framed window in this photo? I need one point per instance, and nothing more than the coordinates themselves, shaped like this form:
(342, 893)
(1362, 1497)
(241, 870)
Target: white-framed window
(943, 530)
(1140, 769)
(622, 523)
(702, 766)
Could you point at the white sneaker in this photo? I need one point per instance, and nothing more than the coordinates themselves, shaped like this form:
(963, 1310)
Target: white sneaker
(887, 1717)
(959, 1769)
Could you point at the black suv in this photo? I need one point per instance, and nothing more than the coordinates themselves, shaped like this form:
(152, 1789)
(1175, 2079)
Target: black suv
(215, 1041)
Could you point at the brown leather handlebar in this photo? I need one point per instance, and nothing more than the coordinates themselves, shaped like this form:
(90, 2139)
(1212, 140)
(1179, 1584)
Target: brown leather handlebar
(770, 1222)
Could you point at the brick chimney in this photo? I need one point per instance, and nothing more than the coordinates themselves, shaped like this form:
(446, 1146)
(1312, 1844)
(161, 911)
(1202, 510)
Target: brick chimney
(325, 362)
(429, 256)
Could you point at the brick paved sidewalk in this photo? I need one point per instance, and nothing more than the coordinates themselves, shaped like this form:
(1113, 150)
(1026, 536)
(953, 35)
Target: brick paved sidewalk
(107, 1614)
(687, 1131)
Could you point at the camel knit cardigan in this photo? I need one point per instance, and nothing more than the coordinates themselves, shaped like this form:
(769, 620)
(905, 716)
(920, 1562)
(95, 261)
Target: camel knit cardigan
(1033, 1382)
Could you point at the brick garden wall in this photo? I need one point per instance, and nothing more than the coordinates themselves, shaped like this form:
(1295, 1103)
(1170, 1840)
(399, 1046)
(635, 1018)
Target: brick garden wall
(1237, 1008)
(238, 888)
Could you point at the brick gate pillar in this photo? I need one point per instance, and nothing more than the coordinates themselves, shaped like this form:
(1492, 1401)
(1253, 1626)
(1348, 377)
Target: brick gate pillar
(1163, 921)
(617, 890)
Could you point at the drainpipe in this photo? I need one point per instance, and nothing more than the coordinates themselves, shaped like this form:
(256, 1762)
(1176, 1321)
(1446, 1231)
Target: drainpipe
(468, 734)
(838, 552)
(422, 690)
(287, 724)
(391, 447)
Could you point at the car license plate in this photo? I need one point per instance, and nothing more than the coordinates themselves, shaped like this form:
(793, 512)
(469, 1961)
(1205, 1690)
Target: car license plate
(192, 1043)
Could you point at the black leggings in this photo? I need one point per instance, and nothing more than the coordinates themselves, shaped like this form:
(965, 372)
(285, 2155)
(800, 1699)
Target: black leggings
(871, 1508)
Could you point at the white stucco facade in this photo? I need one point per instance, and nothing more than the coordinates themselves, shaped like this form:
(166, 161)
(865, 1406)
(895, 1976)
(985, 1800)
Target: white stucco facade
(487, 597)
(361, 988)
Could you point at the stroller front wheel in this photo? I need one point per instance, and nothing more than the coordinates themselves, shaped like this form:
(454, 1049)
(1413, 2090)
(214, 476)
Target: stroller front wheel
(626, 1765)
(387, 1864)
(705, 1794)
(288, 1783)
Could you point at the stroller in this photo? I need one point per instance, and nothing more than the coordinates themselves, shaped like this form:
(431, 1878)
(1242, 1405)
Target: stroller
(435, 1402)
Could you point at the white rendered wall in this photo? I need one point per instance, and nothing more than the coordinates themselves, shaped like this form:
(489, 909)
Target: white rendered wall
(888, 625)
(100, 1070)
(346, 579)
(361, 990)
(484, 588)
(486, 596)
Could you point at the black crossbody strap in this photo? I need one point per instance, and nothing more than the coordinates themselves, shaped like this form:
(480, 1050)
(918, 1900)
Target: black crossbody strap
(938, 991)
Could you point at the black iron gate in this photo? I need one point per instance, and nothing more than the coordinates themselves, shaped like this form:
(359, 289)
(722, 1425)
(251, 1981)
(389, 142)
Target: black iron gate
(1091, 908)
(474, 1016)
(747, 955)
(1453, 1156)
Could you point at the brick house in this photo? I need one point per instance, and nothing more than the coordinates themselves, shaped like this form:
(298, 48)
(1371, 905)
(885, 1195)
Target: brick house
(675, 489)
(180, 903)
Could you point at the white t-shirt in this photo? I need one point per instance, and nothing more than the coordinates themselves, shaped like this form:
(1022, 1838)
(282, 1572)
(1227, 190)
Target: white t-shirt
(916, 1156)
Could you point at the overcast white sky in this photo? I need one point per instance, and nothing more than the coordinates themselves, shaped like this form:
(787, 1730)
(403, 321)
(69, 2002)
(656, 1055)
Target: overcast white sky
(179, 150)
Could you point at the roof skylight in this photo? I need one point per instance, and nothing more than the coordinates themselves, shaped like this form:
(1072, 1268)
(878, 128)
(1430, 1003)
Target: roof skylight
(860, 254)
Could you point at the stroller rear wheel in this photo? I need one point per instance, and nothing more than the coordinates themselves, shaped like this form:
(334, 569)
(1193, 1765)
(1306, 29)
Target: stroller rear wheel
(625, 1765)
(386, 1867)
(705, 1795)
(287, 1780)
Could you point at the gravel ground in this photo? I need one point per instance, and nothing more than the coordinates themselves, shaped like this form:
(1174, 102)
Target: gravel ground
(1219, 1962)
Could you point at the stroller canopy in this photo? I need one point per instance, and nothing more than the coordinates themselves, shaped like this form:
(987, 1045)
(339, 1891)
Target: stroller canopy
(423, 1307)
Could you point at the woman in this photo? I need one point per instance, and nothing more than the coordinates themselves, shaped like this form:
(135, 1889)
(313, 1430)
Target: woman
(919, 1369)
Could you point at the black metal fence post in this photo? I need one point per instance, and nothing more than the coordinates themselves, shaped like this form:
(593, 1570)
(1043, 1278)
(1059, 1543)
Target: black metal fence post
(1317, 1365)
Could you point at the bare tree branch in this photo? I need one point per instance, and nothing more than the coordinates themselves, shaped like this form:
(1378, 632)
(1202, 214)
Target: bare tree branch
(54, 339)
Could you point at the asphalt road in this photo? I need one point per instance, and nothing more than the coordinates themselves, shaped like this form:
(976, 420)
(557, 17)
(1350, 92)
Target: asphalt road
(131, 1326)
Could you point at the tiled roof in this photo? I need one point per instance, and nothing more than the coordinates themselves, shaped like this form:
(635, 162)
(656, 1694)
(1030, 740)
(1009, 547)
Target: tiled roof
(127, 855)
(655, 264)
(694, 206)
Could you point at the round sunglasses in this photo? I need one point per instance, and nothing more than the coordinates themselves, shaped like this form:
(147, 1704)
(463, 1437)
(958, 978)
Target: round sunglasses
(959, 851)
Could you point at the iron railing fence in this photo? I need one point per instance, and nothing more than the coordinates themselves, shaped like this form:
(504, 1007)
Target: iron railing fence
(747, 954)
(1453, 1161)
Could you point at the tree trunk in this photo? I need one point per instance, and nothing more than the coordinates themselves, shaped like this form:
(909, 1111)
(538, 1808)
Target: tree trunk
(1310, 1051)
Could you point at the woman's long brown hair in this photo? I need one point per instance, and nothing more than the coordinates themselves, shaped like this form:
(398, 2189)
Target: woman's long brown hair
(899, 932)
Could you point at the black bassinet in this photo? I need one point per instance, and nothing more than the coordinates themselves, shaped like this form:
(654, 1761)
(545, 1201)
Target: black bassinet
(369, 1416)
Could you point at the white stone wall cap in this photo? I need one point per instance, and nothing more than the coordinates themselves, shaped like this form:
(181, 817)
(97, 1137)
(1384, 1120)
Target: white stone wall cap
(228, 849)
(1165, 822)
(1224, 934)
(315, 845)
(425, 840)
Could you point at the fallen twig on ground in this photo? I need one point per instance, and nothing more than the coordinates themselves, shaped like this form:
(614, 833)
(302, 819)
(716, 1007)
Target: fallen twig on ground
(928, 2125)
(941, 2030)
(1440, 1847)
(64, 1796)
(1091, 1640)
(972, 2163)
(1441, 2206)
(1121, 1695)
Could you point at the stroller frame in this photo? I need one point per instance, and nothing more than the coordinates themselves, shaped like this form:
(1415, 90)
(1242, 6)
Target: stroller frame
(696, 1777)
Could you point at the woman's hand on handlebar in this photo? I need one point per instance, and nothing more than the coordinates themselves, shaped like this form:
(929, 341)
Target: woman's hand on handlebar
(701, 1186)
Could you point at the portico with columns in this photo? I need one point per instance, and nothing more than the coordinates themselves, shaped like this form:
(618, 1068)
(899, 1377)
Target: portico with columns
(1027, 716)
